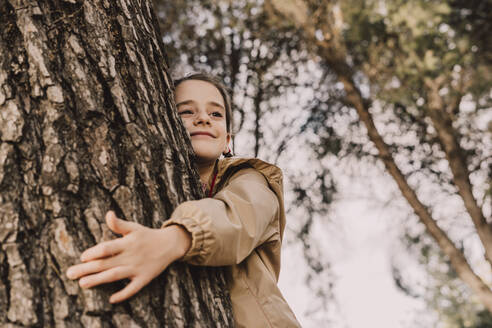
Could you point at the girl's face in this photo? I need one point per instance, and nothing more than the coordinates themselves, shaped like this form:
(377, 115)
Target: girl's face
(202, 110)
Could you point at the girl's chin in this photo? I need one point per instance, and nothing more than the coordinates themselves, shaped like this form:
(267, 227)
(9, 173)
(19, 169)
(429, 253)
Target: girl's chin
(206, 157)
(205, 154)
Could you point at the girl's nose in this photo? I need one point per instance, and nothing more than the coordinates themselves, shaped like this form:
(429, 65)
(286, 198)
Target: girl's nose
(202, 117)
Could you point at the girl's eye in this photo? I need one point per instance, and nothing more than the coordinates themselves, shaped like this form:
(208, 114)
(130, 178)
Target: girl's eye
(217, 114)
(185, 111)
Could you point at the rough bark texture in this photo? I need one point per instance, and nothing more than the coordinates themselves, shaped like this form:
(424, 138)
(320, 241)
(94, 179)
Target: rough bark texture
(87, 125)
(333, 52)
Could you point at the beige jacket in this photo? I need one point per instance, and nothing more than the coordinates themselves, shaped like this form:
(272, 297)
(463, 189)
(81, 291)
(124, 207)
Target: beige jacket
(241, 227)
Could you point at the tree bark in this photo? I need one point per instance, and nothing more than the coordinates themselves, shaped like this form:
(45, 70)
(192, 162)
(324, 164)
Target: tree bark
(88, 124)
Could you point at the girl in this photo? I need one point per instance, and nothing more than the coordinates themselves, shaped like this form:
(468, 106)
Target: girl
(240, 225)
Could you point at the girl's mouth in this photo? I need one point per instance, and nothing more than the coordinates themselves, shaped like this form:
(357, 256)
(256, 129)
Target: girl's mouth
(208, 134)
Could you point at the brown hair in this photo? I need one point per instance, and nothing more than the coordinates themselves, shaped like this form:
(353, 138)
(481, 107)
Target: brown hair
(224, 91)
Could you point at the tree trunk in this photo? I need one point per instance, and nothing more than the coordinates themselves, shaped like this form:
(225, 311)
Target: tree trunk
(87, 124)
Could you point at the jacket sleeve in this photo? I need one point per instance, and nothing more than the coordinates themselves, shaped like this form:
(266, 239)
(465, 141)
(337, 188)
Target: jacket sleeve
(227, 228)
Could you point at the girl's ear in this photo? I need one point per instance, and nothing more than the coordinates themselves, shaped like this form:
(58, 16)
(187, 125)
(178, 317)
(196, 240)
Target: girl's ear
(228, 141)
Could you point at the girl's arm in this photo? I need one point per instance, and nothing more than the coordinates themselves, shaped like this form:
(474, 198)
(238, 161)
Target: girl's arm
(213, 231)
(227, 228)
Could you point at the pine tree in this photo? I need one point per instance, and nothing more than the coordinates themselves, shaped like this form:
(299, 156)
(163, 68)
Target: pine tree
(87, 124)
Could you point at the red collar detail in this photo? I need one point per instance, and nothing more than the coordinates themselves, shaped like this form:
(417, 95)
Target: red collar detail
(210, 193)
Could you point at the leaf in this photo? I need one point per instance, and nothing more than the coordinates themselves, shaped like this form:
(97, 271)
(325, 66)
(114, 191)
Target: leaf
(430, 61)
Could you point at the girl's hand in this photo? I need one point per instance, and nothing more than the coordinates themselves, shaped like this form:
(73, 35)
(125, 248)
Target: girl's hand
(140, 255)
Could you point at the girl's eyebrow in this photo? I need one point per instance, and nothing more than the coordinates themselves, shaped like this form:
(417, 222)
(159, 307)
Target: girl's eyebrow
(216, 104)
(188, 102)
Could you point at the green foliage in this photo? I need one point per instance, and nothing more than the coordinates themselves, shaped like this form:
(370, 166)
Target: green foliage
(399, 43)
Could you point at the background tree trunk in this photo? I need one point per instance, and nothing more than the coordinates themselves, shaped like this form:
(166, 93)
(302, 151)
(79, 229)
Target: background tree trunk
(87, 124)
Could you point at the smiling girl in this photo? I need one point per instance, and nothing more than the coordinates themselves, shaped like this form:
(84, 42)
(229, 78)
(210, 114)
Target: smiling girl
(239, 225)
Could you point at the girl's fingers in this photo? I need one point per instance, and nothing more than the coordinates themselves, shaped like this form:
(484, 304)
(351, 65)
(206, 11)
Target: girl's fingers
(104, 277)
(102, 250)
(91, 267)
(119, 226)
(131, 289)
